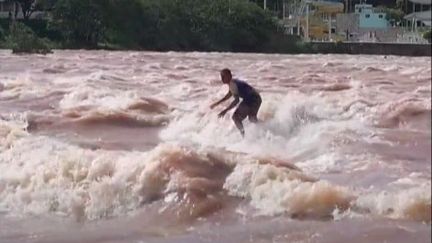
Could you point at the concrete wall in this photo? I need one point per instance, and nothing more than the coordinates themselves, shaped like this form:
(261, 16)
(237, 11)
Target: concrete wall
(373, 48)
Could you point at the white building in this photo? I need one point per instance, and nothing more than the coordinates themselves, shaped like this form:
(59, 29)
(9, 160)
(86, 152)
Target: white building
(418, 21)
(421, 16)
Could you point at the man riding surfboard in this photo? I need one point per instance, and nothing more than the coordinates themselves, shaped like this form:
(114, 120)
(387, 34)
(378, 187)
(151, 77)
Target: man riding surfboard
(250, 104)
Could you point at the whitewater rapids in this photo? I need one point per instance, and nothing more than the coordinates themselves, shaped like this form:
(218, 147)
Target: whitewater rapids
(122, 147)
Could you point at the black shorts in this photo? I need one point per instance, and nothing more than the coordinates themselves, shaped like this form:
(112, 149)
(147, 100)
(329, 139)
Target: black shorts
(248, 108)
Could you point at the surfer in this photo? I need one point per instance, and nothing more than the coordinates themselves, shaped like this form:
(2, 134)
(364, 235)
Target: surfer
(239, 89)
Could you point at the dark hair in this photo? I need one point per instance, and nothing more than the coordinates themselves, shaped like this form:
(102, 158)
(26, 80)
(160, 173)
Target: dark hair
(226, 71)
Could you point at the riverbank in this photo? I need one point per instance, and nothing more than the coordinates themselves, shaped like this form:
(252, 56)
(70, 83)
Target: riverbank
(386, 49)
(150, 25)
(371, 48)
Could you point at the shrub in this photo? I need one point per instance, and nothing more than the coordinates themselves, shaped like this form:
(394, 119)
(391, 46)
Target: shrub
(23, 40)
(428, 35)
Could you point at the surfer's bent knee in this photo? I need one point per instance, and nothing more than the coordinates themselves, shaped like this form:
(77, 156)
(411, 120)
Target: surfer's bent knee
(236, 117)
(253, 119)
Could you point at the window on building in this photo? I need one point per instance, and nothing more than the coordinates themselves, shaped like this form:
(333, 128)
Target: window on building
(380, 16)
(367, 16)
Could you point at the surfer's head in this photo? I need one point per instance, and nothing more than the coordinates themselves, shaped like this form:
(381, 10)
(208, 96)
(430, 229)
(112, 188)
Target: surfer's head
(226, 75)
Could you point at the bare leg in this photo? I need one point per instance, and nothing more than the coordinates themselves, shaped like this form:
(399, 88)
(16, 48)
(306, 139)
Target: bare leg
(239, 124)
(253, 119)
(238, 116)
(253, 110)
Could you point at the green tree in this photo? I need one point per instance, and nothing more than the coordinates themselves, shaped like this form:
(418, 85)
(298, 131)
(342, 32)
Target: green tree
(392, 14)
(428, 35)
(2, 35)
(227, 25)
(23, 40)
(213, 24)
(130, 23)
(79, 21)
(45, 5)
(27, 7)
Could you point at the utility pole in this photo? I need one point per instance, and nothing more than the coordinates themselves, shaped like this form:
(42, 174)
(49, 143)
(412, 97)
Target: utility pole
(298, 27)
(265, 4)
(414, 24)
(307, 21)
(283, 10)
(329, 26)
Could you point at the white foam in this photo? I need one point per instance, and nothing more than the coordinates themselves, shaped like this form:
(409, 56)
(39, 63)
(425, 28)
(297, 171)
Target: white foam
(10, 131)
(294, 125)
(413, 203)
(275, 190)
(41, 175)
(108, 99)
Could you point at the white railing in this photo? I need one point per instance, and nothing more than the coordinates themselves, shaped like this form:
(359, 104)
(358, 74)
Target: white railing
(411, 37)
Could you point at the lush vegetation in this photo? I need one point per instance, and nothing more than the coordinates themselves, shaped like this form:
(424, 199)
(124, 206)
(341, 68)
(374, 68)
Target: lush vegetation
(203, 25)
(428, 35)
(394, 15)
(2, 33)
(163, 25)
(23, 40)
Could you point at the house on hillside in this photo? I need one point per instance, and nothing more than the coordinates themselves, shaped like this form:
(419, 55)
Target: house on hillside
(419, 20)
(312, 19)
(369, 17)
(366, 24)
(421, 13)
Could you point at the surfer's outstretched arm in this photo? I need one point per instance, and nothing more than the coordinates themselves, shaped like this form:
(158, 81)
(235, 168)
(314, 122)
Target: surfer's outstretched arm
(227, 96)
(232, 105)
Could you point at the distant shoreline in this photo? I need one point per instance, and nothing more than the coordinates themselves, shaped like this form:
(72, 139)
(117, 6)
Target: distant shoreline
(373, 48)
(350, 48)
